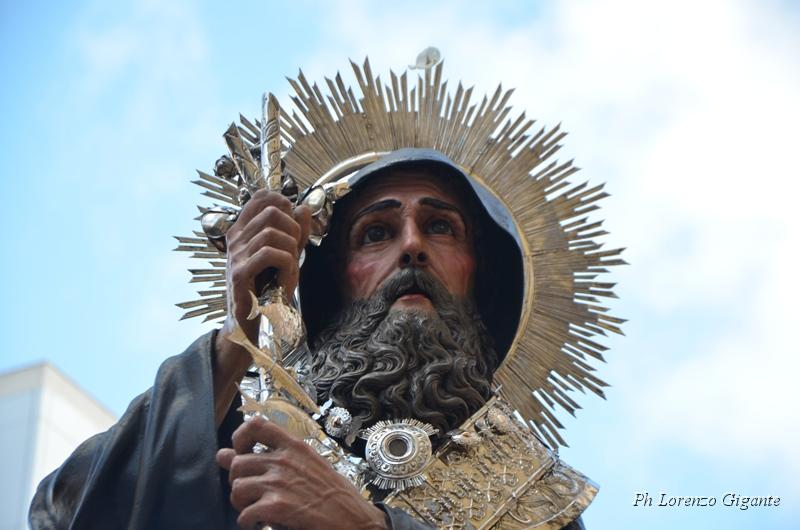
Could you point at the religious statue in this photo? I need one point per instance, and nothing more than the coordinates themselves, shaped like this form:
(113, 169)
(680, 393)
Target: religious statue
(409, 288)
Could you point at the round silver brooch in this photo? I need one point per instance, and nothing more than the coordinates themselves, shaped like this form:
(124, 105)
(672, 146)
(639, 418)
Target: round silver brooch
(338, 422)
(398, 451)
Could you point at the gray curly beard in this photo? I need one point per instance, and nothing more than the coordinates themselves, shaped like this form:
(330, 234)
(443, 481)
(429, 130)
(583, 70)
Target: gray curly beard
(391, 364)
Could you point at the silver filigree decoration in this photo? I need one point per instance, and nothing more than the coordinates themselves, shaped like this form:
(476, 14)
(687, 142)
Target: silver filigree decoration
(465, 438)
(499, 420)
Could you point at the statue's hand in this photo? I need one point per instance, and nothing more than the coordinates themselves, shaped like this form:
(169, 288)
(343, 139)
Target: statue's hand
(291, 485)
(268, 233)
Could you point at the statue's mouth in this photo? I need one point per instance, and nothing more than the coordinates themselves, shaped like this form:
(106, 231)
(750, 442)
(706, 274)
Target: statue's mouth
(413, 289)
(414, 297)
(412, 292)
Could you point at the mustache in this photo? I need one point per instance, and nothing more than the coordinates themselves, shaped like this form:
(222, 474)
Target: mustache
(413, 280)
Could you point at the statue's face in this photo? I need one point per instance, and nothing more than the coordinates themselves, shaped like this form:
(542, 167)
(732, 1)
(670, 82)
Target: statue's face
(408, 341)
(406, 219)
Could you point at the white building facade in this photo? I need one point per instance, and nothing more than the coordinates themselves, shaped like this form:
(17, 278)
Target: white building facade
(44, 416)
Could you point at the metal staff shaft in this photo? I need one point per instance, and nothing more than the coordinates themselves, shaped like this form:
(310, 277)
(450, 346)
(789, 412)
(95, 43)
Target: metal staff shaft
(271, 142)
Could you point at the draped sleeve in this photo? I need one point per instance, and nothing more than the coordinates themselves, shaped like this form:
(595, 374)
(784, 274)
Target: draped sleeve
(153, 469)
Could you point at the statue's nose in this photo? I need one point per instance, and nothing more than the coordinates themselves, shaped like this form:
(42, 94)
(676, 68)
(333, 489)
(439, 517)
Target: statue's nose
(413, 251)
(413, 259)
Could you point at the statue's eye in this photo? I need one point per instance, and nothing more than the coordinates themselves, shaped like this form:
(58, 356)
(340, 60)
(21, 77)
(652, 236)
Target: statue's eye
(440, 226)
(375, 233)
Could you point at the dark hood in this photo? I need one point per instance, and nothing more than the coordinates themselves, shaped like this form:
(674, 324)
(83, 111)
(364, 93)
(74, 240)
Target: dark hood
(499, 274)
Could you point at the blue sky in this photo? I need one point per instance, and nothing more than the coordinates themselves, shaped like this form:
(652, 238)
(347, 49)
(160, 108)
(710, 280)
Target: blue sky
(688, 110)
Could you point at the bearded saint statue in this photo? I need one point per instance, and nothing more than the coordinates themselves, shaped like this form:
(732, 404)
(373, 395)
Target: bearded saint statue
(447, 302)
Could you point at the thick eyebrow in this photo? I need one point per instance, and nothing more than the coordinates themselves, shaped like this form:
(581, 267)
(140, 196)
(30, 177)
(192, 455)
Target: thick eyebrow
(441, 205)
(394, 203)
(376, 207)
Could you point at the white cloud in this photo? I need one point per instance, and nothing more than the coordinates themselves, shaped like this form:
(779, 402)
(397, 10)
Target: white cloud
(147, 70)
(129, 124)
(735, 400)
(137, 120)
(163, 41)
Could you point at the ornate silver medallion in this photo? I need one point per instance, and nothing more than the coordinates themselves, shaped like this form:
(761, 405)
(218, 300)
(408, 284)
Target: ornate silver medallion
(398, 451)
(338, 422)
